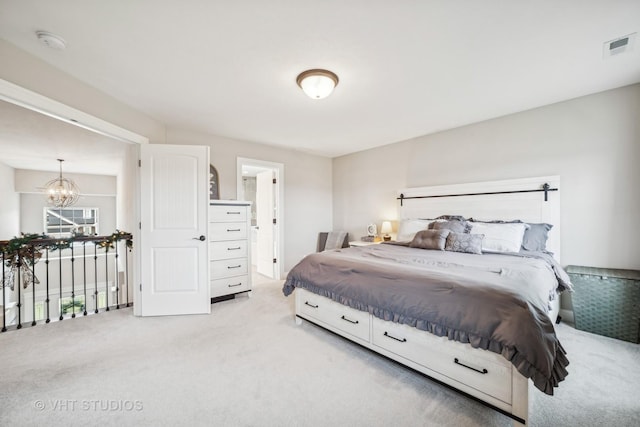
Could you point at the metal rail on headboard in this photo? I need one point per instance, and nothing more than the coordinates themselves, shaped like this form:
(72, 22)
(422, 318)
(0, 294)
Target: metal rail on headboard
(545, 188)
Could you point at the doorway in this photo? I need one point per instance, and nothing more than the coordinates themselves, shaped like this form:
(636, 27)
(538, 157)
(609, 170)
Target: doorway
(262, 183)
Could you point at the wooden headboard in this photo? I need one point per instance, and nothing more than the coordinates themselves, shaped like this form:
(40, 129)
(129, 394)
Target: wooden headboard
(522, 199)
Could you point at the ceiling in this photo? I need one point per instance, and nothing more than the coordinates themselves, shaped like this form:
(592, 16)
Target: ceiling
(30, 140)
(407, 68)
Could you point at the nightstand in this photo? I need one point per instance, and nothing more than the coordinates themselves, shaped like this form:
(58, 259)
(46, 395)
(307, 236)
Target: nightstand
(358, 243)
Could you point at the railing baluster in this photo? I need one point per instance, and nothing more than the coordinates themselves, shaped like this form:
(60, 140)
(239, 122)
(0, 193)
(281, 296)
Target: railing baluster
(84, 274)
(117, 278)
(46, 263)
(73, 285)
(95, 271)
(33, 284)
(60, 276)
(16, 284)
(106, 275)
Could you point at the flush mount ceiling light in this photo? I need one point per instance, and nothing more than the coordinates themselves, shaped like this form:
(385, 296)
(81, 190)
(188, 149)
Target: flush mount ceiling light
(317, 83)
(61, 192)
(51, 40)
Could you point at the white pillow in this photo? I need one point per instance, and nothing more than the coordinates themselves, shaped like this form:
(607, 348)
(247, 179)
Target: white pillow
(500, 237)
(409, 227)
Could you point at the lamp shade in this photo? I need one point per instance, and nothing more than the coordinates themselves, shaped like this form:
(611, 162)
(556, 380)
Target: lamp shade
(317, 83)
(386, 227)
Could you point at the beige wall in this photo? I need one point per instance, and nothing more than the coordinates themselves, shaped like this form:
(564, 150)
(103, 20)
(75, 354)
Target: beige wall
(10, 205)
(592, 143)
(22, 69)
(307, 186)
(98, 191)
(31, 181)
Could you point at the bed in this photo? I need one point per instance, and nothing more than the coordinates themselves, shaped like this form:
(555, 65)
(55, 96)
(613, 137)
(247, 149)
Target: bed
(481, 321)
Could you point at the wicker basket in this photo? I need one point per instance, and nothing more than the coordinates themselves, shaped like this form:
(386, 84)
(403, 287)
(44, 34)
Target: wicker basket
(607, 301)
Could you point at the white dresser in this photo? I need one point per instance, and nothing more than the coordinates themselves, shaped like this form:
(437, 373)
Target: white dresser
(229, 247)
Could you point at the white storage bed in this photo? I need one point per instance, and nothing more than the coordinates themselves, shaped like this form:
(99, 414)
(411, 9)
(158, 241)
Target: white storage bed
(483, 374)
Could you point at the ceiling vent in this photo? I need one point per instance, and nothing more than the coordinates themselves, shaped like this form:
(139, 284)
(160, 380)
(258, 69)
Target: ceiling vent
(620, 45)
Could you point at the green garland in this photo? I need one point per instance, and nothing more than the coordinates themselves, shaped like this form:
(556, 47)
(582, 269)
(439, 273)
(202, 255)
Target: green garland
(23, 252)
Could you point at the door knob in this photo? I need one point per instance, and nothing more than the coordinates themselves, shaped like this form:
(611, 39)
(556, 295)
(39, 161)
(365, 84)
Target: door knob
(201, 238)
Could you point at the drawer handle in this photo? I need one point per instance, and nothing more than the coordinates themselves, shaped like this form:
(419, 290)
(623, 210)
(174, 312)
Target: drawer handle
(237, 284)
(233, 229)
(457, 362)
(233, 213)
(394, 338)
(355, 322)
(233, 249)
(310, 305)
(234, 266)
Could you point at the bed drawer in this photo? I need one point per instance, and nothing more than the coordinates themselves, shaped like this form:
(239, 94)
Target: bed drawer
(230, 285)
(227, 213)
(228, 249)
(346, 319)
(228, 268)
(485, 371)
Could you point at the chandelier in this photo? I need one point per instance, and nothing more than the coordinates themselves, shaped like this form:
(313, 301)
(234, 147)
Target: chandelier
(61, 192)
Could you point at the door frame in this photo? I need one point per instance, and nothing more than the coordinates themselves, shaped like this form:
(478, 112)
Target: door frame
(278, 169)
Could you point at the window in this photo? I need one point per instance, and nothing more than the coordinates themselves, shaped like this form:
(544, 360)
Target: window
(69, 305)
(63, 222)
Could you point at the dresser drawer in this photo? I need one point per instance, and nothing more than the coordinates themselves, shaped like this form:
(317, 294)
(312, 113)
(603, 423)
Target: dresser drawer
(351, 321)
(230, 285)
(219, 231)
(483, 370)
(228, 249)
(228, 268)
(227, 213)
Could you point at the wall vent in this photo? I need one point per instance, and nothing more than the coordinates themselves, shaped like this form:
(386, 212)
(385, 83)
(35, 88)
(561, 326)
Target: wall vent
(619, 45)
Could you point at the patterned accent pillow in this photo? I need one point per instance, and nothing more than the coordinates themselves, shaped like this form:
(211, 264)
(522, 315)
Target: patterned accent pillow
(535, 237)
(464, 242)
(455, 225)
(430, 239)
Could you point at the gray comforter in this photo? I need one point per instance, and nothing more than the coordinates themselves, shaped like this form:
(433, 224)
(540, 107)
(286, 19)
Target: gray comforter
(495, 302)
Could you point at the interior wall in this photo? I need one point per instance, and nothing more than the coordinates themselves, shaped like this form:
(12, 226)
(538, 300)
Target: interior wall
(592, 143)
(98, 191)
(32, 212)
(10, 206)
(22, 69)
(307, 186)
(32, 181)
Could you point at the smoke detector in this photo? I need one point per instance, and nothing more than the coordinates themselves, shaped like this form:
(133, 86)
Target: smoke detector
(620, 45)
(51, 40)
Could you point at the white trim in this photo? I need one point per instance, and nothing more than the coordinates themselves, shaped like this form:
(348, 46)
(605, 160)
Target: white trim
(33, 101)
(278, 168)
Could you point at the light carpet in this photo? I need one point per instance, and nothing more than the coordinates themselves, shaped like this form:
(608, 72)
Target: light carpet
(248, 364)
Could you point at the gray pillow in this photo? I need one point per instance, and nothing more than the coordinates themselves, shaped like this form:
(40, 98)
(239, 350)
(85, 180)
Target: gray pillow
(456, 226)
(451, 217)
(464, 242)
(535, 237)
(430, 239)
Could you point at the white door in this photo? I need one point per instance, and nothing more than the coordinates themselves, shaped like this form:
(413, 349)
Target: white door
(265, 214)
(174, 186)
